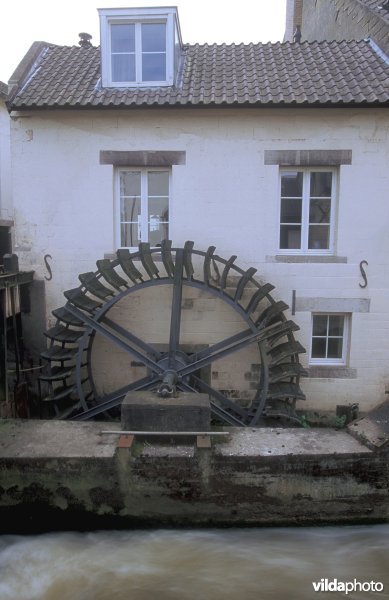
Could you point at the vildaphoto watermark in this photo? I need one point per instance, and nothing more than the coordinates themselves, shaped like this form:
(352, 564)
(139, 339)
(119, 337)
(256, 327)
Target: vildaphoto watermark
(334, 585)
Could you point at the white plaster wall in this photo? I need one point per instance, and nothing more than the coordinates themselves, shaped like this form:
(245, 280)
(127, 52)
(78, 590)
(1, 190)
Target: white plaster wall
(5, 165)
(225, 196)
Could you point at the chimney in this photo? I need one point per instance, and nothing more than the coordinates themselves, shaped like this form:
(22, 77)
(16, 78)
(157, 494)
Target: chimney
(297, 34)
(85, 40)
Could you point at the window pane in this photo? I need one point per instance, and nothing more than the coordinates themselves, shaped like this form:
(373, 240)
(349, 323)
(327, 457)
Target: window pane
(153, 67)
(319, 237)
(291, 210)
(290, 237)
(319, 325)
(158, 183)
(153, 37)
(123, 67)
(129, 209)
(158, 233)
(130, 183)
(321, 183)
(335, 347)
(123, 38)
(158, 210)
(336, 325)
(318, 348)
(129, 234)
(292, 183)
(320, 211)
(158, 220)
(158, 206)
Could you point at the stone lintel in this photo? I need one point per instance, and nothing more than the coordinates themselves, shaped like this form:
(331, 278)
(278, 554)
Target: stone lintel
(142, 158)
(308, 158)
(342, 305)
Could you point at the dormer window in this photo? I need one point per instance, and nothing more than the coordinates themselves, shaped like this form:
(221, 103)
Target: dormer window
(139, 47)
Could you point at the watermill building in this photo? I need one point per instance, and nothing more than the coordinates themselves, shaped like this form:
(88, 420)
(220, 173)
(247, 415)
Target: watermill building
(277, 153)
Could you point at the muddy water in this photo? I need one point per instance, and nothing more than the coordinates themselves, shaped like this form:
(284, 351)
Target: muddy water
(239, 564)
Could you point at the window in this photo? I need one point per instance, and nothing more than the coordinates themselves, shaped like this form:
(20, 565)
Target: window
(138, 46)
(142, 206)
(307, 211)
(329, 339)
(138, 52)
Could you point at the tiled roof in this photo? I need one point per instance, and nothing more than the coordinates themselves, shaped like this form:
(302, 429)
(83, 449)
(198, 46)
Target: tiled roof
(254, 74)
(3, 90)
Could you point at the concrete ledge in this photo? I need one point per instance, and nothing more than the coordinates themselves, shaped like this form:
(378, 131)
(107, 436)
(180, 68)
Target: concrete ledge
(54, 439)
(373, 428)
(68, 475)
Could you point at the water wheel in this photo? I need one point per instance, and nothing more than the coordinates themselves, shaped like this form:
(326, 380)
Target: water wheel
(170, 319)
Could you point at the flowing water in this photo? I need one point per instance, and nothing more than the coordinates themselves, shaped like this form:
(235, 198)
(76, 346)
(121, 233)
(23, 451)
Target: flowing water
(239, 564)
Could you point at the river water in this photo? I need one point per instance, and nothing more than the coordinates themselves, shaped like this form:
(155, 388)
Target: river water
(211, 564)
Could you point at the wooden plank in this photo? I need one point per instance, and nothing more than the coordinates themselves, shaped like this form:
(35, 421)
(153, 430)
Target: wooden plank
(125, 441)
(203, 441)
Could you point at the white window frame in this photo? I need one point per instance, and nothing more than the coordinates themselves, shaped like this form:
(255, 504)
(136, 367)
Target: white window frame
(346, 340)
(138, 16)
(304, 250)
(143, 198)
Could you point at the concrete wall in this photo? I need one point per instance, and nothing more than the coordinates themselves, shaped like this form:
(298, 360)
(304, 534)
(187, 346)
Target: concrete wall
(225, 195)
(343, 20)
(293, 17)
(57, 475)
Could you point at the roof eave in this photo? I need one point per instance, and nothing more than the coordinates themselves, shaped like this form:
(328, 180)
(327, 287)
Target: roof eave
(24, 68)
(196, 106)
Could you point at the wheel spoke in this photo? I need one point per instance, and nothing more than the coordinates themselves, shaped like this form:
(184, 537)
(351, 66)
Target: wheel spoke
(107, 333)
(115, 398)
(148, 348)
(175, 319)
(229, 346)
(221, 398)
(219, 411)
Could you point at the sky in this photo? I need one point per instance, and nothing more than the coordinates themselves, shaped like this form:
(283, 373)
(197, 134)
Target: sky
(26, 21)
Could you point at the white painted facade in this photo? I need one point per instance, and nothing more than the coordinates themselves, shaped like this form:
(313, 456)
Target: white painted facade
(5, 164)
(225, 195)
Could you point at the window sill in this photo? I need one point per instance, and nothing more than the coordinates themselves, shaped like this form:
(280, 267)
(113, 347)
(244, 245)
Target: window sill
(331, 372)
(305, 258)
(112, 255)
(134, 85)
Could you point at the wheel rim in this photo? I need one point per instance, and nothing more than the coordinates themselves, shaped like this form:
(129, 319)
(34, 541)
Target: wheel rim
(86, 316)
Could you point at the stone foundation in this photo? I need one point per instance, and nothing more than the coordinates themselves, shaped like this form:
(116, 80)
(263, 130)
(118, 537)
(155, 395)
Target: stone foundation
(58, 475)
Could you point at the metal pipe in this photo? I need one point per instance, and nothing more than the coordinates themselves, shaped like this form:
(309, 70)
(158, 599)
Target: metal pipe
(177, 433)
